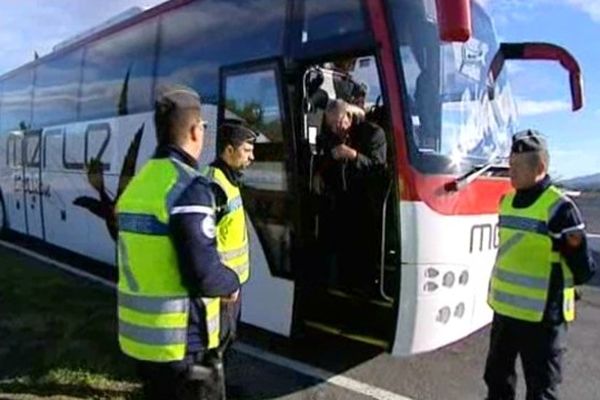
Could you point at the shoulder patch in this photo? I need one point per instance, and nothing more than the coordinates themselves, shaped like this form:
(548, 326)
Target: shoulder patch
(208, 227)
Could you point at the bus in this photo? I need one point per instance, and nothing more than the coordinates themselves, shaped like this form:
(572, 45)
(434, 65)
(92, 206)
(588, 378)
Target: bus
(76, 124)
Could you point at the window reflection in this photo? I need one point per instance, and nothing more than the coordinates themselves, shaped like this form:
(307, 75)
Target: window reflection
(202, 36)
(56, 90)
(446, 83)
(118, 73)
(327, 19)
(253, 100)
(15, 110)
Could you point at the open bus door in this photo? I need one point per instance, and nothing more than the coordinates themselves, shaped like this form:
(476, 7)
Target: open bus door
(327, 301)
(252, 94)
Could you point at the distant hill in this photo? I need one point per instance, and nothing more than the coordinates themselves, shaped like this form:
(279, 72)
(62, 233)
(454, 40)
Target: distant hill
(587, 183)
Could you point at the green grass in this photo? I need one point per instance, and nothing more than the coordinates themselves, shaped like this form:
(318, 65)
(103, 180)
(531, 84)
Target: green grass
(58, 336)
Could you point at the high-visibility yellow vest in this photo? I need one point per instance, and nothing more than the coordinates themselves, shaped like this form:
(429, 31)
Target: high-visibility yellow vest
(153, 304)
(521, 276)
(232, 236)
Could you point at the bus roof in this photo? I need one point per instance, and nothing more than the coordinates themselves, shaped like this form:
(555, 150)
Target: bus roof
(109, 30)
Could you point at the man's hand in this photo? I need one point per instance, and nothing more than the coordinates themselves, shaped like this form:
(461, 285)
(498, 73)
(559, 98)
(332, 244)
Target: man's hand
(232, 298)
(343, 152)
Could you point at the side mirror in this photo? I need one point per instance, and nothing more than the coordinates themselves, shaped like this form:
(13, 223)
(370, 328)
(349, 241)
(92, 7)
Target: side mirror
(540, 51)
(454, 20)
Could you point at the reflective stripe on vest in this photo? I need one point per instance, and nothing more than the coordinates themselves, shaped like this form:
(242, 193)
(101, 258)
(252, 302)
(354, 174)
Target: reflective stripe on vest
(153, 304)
(521, 277)
(232, 240)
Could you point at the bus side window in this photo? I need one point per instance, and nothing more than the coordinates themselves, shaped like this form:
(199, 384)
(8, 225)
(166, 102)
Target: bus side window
(254, 99)
(201, 36)
(118, 73)
(16, 101)
(57, 90)
(32, 149)
(14, 150)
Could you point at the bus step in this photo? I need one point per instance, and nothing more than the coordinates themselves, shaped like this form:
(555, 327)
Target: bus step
(380, 302)
(332, 329)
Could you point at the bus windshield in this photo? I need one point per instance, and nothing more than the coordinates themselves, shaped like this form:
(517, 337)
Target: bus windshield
(453, 123)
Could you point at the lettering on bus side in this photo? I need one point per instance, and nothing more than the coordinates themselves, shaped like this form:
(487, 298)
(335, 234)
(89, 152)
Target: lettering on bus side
(104, 205)
(92, 131)
(486, 235)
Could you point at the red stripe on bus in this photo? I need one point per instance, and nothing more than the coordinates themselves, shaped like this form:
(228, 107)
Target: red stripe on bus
(382, 32)
(482, 196)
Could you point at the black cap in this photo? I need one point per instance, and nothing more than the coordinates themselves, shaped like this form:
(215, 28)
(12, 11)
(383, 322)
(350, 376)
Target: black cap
(176, 97)
(235, 132)
(528, 141)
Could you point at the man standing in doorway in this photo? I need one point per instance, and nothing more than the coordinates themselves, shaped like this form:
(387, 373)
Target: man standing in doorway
(350, 176)
(542, 254)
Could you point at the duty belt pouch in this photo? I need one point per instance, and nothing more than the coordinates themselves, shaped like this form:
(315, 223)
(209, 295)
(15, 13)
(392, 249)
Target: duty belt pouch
(208, 378)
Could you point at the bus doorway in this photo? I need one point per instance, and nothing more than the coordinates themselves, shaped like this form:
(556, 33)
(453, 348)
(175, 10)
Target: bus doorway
(349, 277)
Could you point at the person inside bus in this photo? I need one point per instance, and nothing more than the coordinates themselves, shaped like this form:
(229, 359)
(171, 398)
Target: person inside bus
(349, 177)
(171, 279)
(543, 253)
(346, 88)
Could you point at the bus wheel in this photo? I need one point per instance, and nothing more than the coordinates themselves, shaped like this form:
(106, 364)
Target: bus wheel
(3, 221)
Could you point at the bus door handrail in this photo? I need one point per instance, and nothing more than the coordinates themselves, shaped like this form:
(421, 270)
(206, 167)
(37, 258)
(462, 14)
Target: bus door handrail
(383, 239)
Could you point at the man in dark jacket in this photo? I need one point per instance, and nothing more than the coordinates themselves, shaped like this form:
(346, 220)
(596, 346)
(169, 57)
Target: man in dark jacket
(171, 279)
(543, 253)
(350, 176)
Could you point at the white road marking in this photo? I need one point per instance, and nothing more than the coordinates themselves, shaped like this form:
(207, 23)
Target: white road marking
(340, 380)
(323, 375)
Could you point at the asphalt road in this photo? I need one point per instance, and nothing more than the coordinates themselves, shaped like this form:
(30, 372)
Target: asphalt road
(454, 372)
(268, 369)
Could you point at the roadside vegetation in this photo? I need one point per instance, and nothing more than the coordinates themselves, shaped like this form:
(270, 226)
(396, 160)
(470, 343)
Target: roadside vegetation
(57, 337)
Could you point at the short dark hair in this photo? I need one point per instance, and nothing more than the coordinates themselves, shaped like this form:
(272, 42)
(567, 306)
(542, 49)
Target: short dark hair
(233, 133)
(175, 108)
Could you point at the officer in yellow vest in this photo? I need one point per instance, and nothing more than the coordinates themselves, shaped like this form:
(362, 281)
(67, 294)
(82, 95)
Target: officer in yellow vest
(235, 150)
(542, 254)
(171, 279)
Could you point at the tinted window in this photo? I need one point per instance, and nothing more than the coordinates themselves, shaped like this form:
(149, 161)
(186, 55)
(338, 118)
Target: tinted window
(326, 19)
(56, 90)
(32, 149)
(199, 38)
(254, 99)
(16, 101)
(124, 60)
(14, 150)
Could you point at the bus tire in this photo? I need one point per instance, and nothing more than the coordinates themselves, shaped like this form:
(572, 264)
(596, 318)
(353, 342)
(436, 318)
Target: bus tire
(3, 217)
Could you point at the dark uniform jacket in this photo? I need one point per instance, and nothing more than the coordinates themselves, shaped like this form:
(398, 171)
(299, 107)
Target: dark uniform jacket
(201, 269)
(369, 141)
(566, 219)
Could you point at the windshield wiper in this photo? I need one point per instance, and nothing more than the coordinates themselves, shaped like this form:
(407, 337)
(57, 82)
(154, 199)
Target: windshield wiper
(478, 170)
